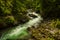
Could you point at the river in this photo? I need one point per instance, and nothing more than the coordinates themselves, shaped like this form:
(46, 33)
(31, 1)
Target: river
(21, 30)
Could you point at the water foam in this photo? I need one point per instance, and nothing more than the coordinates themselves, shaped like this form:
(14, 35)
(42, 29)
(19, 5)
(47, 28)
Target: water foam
(16, 32)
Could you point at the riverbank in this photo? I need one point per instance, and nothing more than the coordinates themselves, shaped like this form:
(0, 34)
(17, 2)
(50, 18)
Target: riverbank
(47, 30)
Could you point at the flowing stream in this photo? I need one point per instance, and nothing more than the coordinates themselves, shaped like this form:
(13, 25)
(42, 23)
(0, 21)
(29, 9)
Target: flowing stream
(21, 30)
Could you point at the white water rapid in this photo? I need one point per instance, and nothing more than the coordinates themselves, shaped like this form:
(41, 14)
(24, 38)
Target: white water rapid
(21, 29)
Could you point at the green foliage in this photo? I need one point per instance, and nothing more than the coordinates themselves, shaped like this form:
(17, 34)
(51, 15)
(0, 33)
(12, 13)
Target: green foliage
(18, 8)
(5, 7)
(55, 23)
(51, 8)
(9, 19)
(10, 11)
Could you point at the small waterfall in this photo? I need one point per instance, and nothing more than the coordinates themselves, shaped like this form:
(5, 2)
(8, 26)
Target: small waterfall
(21, 29)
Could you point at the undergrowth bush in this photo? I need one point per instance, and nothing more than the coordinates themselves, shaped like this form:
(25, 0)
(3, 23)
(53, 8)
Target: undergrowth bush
(46, 31)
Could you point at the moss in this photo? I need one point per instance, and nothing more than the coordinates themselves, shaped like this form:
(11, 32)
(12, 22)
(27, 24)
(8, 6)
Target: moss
(9, 20)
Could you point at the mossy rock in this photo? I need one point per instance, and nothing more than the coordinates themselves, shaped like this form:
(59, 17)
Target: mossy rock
(9, 20)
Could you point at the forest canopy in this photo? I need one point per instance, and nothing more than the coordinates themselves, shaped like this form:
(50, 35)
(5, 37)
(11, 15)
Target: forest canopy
(15, 10)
